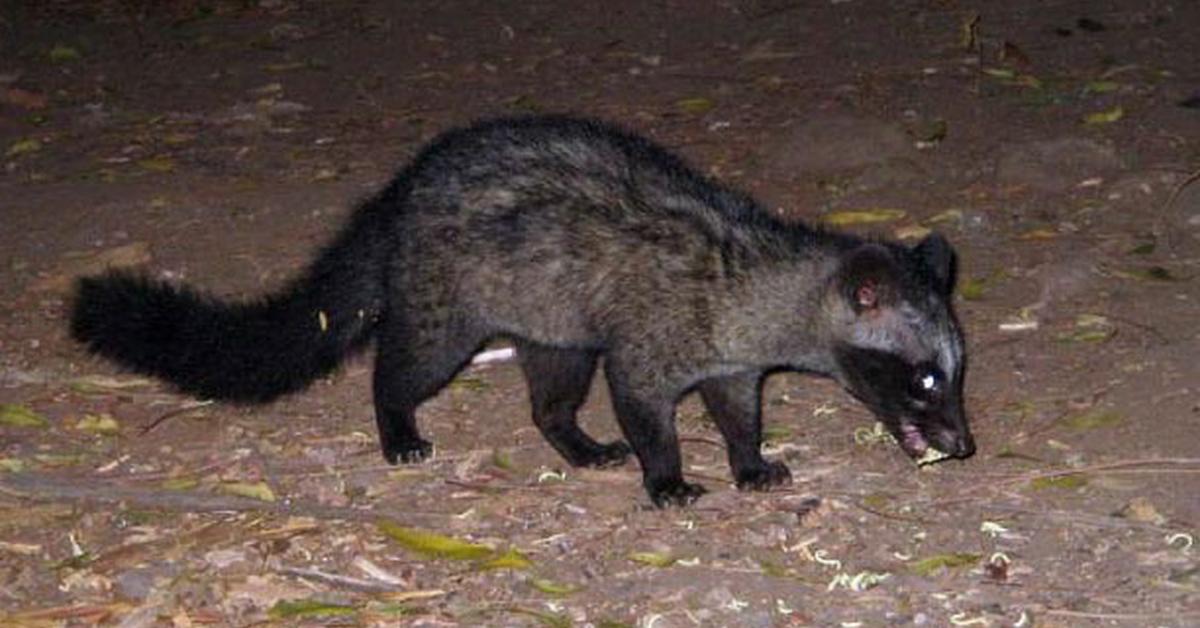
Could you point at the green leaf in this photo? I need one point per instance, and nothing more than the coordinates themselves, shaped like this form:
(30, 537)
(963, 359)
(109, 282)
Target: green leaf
(930, 565)
(57, 461)
(102, 423)
(12, 465)
(549, 587)
(1071, 481)
(14, 415)
(972, 288)
(433, 544)
(287, 609)
(776, 433)
(510, 559)
(552, 620)
(256, 490)
(695, 105)
(395, 609)
(180, 484)
(1092, 420)
(469, 383)
(1105, 117)
(502, 460)
(61, 53)
(1091, 328)
(21, 147)
(653, 559)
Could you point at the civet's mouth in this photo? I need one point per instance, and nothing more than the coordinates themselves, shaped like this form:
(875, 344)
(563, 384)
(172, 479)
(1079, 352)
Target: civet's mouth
(912, 441)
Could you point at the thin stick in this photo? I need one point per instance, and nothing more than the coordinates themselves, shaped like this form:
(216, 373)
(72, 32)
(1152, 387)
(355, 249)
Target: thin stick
(38, 488)
(174, 413)
(976, 490)
(347, 582)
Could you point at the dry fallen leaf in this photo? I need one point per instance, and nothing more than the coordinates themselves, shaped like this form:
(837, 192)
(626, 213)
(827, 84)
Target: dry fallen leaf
(23, 147)
(653, 559)
(22, 98)
(1141, 509)
(694, 105)
(61, 53)
(1092, 420)
(932, 564)
(255, 490)
(12, 465)
(1105, 117)
(103, 384)
(157, 164)
(295, 609)
(549, 587)
(102, 423)
(862, 216)
(911, 232)
(1059, 481)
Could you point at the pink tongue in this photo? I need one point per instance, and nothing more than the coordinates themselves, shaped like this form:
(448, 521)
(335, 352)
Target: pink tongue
(913, 442)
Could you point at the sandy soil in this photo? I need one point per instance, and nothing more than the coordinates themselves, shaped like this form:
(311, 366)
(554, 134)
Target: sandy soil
(217, 142)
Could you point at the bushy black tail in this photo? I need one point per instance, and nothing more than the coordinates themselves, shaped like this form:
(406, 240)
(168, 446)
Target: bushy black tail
(250, 351)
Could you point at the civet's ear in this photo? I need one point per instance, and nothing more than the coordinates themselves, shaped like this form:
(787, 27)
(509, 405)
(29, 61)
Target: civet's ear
(868, 278)
(939, 260)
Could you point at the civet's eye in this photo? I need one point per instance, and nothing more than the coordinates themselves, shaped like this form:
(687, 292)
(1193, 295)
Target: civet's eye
(927, 383)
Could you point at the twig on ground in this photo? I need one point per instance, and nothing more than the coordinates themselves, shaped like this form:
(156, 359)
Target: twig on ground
(38, 488)
(977, 491)
(346, 582)
(196, 405)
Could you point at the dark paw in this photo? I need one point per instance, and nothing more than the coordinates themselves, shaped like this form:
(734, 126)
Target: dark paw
(764, 477)
(606, 456)
(408, 452)
(675, 493)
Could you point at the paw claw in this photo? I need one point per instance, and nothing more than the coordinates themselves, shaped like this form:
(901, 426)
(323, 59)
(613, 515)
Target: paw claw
(408, 453)
(676, 493)
(763, 478)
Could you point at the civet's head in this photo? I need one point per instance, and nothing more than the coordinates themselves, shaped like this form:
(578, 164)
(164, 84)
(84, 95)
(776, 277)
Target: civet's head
(897, 344)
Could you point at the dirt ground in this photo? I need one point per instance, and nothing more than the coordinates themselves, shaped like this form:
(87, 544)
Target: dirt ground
(1056, 143)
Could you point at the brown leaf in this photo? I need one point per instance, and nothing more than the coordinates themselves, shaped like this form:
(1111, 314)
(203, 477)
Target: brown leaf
(22, 98)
